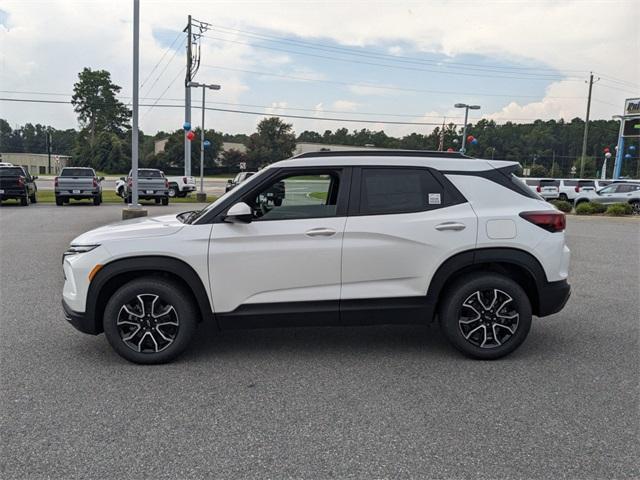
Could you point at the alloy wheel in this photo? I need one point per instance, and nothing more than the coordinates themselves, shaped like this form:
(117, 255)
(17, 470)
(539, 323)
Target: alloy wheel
(147, 324)
(488, 318)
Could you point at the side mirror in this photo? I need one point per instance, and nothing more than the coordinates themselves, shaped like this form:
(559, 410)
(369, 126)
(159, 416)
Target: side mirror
(229, 182)
(239, 213)
(35, 177)
(101, 179)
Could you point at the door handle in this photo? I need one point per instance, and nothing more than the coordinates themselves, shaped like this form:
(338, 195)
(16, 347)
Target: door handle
(456, 227)
(320, 232)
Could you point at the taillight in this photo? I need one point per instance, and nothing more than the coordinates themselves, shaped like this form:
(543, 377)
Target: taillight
(95, 182)
(538, 189)
(550, 221)
(55, 181)
(577, 189)
(21, 181)
(130, 183)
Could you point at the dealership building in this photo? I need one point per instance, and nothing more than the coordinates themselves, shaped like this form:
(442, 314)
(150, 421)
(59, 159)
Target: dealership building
(37, 163)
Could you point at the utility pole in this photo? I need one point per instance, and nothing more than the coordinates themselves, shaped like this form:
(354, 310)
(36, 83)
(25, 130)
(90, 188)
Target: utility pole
(187, 102)
(133, 209)
(49, 151)
(586, 126)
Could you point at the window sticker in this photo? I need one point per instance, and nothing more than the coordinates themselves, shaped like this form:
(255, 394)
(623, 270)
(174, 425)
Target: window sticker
(434, 199)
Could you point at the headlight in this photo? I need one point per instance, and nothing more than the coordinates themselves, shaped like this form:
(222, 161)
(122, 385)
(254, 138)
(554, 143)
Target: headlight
(77, 249)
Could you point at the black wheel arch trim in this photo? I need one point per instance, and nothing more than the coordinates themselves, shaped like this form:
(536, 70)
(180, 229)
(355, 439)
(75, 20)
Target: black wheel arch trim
(132, 265)
(548, 297)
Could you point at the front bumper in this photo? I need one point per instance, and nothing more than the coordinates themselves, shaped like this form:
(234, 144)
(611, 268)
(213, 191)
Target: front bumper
(553, 297)
(79, 320)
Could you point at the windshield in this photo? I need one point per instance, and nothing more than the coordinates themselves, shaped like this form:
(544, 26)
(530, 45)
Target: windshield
(11, 172)
(77, 172)
(243, 186)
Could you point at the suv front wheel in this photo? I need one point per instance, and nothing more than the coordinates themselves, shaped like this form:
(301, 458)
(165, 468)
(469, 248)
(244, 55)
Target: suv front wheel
(485, 315)
(150, 320)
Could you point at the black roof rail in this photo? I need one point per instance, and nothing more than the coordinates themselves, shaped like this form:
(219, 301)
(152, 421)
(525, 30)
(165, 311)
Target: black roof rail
(383, 153)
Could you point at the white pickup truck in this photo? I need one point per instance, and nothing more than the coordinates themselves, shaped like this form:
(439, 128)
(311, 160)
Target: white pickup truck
(181, 186)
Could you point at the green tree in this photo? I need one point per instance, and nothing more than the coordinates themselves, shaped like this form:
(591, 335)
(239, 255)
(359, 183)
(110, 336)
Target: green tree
(94, 100)
(273, 141)
(231, 158)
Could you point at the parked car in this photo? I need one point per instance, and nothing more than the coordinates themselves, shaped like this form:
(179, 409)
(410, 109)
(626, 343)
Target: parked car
(17, 182)
(77, 183)
(237, 180)
(152, 185)
(6, 164)
(569, 189)
(374, 237)
(547, 188)
(181, 186)
(618, 192)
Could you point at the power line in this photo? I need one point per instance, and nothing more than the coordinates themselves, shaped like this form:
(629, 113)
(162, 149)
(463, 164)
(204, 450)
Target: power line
(351, 61)
(263, 114)
(388, 57)
(164, 54)
(165, 90)
(165, 68)
(378, 86)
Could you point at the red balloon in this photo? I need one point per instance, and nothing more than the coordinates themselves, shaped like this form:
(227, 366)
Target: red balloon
(449, 149)
(470, 138)
(606, 149)
(191, 135)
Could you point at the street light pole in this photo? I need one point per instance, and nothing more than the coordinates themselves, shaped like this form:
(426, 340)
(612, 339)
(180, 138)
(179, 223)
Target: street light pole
(201, 196)
(466, 117)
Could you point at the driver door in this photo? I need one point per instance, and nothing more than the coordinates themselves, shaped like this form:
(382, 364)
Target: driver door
(287, 260)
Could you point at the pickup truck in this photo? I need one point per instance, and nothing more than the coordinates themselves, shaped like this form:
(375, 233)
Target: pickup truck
(237, 180)
(181, 186)
(16, 182)
(78, 183)
(152, 185)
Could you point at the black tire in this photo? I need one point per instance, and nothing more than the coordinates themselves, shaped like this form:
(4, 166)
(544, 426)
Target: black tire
(563, 197)
(635, 207)
(24, 201)
(182, 194)
(96, 200)
(120, 192)
(474, 337)
(580, 202)
(156, 200)
(59, 201)
(148, 336)
(33, 198)
(165, 201)
(173, 191)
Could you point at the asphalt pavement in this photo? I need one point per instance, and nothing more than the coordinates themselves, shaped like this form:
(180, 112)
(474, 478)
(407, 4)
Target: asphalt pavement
(375, 402)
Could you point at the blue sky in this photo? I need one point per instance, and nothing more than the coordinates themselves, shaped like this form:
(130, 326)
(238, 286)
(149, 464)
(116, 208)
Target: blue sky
(468, 48)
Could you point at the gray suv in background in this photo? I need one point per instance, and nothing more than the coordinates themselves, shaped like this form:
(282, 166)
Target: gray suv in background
(78, 183)
(622, 192)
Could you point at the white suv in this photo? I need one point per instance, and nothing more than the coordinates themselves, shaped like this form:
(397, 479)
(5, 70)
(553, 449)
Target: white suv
(356, 238)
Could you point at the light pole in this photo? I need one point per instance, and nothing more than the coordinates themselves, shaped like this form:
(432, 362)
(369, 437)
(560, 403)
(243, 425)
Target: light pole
(466, 116)
(201, 196)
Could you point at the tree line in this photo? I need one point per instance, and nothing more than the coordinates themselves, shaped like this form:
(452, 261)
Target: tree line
(103, 139)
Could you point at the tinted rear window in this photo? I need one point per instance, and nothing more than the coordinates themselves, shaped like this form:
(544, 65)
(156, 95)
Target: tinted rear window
(399, 190)
(150, 173)
(11, 172)
(550, 183)
(77, 172)
(570, 183)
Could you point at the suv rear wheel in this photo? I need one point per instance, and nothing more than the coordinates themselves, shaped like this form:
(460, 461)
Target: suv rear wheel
(149, 320)
(485, 315)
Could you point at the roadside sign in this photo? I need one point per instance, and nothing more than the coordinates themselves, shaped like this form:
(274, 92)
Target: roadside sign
(243, 165)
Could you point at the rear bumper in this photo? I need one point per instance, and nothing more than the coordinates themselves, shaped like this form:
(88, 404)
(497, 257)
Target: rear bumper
(13, 193)
(79, 320)
(82, 194)
(553, 297)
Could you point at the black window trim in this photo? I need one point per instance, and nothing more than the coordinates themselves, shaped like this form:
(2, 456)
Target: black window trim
(451, 194)
(501, 176)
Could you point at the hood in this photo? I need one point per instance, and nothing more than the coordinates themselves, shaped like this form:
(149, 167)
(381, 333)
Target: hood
(134, 228)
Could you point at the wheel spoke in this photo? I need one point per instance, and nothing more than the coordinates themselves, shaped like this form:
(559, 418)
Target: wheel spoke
(493, 312)
(138, 328)
(129, 312)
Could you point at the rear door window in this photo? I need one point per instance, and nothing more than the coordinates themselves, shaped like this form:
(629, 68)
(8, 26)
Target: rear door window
(399, 190)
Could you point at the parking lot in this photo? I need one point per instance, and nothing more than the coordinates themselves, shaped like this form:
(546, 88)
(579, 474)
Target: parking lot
(378, 402)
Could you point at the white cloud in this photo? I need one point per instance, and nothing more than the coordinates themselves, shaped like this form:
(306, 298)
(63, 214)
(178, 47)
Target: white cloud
(47, 43)
(345, 105)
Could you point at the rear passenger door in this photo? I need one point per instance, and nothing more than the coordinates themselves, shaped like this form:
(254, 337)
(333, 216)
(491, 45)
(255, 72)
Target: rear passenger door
(403, 223)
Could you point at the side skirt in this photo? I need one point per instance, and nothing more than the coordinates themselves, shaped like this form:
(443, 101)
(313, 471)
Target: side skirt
(369, 311)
